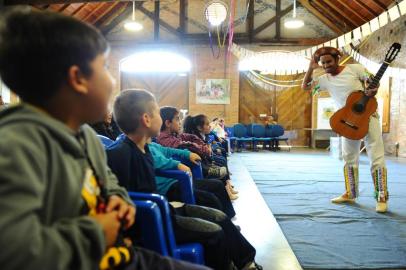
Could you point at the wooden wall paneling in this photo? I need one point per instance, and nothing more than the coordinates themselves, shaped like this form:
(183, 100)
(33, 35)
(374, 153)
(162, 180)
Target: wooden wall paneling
(169, 88)
(293, 107)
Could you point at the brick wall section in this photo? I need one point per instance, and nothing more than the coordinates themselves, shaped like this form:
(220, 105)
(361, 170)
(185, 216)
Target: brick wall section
(375, 50)
(204, 66)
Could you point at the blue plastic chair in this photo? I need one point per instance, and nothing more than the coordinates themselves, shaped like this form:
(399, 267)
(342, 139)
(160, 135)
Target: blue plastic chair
(275, 132)
(259, 135)
(105, 140)
(241, 136)
(148, 216)
(192, 252)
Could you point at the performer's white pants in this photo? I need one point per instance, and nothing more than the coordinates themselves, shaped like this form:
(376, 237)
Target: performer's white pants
(373, 143)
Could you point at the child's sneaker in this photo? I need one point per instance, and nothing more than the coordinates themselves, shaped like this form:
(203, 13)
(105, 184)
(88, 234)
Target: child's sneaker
(217, 171)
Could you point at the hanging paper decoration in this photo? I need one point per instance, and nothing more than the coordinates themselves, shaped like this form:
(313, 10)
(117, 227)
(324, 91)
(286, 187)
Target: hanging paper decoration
(282, 63)
(383, 19)
(394, 13)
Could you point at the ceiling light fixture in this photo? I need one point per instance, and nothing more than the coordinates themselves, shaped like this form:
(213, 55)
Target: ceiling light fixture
(216, 12)
(133, 25)
(293, 23)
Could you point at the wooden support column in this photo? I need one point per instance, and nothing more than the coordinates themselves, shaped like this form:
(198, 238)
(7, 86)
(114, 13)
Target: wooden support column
(278, 20)
(250, 20)
(156, 20)
(182, 18)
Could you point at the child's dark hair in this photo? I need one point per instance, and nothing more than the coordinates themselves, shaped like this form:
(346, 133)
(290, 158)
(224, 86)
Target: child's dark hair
(129, 107)
(38, 48)
(191, 124)
(167, 113)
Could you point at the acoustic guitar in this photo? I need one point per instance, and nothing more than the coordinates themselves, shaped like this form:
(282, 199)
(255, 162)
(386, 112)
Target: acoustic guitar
(352, 121)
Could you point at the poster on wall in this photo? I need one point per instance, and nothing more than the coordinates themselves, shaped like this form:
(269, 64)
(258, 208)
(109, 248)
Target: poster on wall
(325, 109)
(213, 91)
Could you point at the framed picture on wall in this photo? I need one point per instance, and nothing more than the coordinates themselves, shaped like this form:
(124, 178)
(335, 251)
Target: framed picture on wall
(213, 91)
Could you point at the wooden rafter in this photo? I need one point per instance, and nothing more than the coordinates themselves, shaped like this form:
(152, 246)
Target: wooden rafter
(165, 25)
(341, 12)
(361, 4)
(272, 20)
(182, 17)
(100, 6)
(65, 6)
(306, 4)
(240, 38)
(339, 21)
(278, 19)
(379, 3)
(352, 11)
(250, 20)
(106, 14)
(156, 20)
(120, 17)
(50, 2)
(78, 9)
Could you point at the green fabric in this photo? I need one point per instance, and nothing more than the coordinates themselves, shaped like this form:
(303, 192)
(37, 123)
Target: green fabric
(163, 160)
(42, 168)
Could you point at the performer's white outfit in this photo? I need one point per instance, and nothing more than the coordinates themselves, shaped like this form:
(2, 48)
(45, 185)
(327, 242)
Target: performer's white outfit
(351, 79)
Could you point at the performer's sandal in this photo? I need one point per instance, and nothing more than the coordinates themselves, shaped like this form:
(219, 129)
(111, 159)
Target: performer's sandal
(381, 207)
(342, 199)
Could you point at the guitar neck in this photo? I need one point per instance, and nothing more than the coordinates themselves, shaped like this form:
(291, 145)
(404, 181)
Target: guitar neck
(378, 75)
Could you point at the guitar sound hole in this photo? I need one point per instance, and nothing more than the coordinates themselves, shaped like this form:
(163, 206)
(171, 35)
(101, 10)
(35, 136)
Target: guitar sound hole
(359, 108)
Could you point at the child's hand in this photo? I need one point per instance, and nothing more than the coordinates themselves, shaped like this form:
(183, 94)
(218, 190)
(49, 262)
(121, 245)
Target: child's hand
(125, 211)
(184, 168)
(110, 223)
(195, 158)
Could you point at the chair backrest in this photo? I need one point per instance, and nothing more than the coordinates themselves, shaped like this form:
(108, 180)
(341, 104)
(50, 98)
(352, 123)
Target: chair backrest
(258, 131)
(230, 131)
(165, 213)
(274, 131)
(240, 130)
(149, 218)
(105, 140)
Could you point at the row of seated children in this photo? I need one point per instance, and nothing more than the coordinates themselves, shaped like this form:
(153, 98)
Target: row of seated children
(192, 139)
(132, 159)
(61, 207)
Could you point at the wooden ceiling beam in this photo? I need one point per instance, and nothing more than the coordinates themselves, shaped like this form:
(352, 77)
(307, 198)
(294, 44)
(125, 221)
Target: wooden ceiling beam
(342, 13)
(93, 11)
(104, 13)
(182, 17)
(50, 2)
(278, 20)
(379, 3)
(239, 39)
(78, 9)
(125, 13)
(361, 4)
(306, 4)
(272, 20)
(65, 6)
(353, 11)
(156, 20)
(250, 20)
(161, 22)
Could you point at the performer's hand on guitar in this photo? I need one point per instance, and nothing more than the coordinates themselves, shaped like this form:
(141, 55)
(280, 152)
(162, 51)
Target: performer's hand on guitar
(370, 92)
(125, 211)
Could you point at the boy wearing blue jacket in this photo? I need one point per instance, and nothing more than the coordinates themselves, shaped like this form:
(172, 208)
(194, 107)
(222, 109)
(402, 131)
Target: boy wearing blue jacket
(208, 192)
